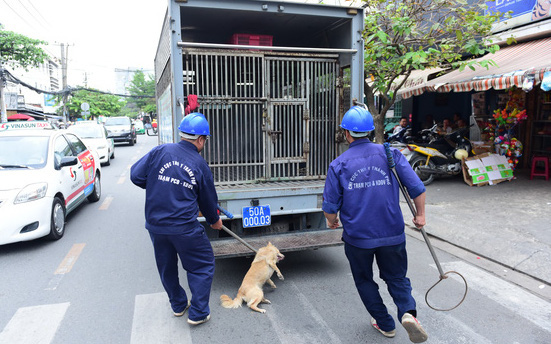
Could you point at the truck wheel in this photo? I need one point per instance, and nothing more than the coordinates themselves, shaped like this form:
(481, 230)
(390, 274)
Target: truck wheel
(57, 220)
(426, 178)
(96, 193)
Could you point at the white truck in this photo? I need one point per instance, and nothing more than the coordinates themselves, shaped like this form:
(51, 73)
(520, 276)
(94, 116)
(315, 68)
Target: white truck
(273, 79)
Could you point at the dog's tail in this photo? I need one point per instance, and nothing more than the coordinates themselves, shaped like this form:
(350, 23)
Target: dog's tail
(227, 302)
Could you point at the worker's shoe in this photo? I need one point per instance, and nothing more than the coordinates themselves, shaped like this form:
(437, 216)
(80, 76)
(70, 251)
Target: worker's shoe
(179, 314)
(388, 334)
(198, 322)
(415, 331)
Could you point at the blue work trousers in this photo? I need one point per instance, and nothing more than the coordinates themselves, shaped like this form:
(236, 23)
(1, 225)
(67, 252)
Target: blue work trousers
(196, 255)
(392, 262)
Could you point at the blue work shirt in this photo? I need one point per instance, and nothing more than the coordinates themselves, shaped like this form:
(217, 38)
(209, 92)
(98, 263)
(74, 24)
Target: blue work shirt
(361, 186)
(178, 183)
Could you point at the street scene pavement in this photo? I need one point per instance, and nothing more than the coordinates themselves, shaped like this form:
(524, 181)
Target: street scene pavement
(110, 291)
(508, 223)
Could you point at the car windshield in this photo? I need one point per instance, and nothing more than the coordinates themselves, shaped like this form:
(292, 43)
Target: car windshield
(117, 121)
(23, 151)
(87, 131)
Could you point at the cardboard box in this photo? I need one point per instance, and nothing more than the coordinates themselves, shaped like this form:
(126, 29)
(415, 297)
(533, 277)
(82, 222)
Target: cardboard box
(481, 147)
(486, 169)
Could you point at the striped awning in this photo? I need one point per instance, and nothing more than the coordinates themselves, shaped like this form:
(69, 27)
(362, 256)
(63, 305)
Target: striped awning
(514, 63)
(415, 83)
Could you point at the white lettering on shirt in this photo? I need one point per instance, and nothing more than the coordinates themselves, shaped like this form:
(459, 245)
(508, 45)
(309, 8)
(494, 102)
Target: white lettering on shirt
(173, 180)
(378, 178)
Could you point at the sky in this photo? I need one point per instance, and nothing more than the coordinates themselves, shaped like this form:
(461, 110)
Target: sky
(101, 35)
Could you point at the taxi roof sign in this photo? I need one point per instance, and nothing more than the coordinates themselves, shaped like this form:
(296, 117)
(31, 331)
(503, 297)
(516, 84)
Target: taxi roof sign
(25, 125)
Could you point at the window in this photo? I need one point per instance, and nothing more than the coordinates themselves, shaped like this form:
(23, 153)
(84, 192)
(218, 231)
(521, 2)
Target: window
(78, 146)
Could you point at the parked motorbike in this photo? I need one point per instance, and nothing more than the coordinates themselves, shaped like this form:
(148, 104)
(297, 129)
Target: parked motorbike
(441, 156)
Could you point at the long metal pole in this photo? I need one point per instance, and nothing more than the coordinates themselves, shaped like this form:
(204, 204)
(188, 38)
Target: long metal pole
(3, 112)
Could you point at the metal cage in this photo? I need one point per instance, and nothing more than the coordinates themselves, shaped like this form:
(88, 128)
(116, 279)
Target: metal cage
(273, 116)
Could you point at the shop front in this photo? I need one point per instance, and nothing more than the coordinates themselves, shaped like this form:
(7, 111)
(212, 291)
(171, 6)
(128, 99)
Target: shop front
(511, 109)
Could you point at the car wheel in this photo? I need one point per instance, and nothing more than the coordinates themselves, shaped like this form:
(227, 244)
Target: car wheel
(96, 193)
(57, 220)
(131, 142)
(426, 178)
(108, 161)
(113, 154)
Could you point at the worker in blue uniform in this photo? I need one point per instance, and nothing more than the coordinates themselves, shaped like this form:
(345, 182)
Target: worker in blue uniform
(360, 187)
(178, 183)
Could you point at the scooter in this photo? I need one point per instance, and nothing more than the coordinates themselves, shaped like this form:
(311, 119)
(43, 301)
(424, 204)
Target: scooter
(441, 156)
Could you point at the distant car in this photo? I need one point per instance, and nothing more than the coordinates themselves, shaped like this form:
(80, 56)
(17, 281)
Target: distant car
(121, 129)
(95, 137)
(140, 129)
(45, 173)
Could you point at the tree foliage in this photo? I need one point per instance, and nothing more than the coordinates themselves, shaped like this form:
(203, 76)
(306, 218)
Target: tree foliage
(17, 50)
(139, 86)
(402, 36)
(100, 104)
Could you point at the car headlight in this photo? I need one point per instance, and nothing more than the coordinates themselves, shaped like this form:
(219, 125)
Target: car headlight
(31, 192)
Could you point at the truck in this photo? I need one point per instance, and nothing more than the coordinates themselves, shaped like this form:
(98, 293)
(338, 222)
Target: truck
(273, 79)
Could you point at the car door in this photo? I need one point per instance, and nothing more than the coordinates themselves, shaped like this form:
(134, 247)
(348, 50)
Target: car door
(110, 142)
(87, 163)
(71, 178)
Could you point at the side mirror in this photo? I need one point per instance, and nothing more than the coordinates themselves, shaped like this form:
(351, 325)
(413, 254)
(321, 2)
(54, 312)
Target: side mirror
(68, 161)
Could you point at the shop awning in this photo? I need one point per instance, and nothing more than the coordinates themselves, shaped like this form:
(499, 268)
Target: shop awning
(414, 85)
(514, 63)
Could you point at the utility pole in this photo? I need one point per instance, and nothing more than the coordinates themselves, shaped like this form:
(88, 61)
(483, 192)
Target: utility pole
(64, 81)
(3, 112)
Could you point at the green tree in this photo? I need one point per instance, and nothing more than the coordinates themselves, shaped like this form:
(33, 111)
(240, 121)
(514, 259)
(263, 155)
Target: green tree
(17, 51)
(402, 36)
(100, 104)
(144, 91)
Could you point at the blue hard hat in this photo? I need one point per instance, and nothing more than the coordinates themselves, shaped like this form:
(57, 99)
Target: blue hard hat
(357, 120)
(195, 124)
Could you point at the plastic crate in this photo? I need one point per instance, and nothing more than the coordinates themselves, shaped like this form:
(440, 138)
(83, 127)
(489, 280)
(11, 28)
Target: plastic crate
(250, 39)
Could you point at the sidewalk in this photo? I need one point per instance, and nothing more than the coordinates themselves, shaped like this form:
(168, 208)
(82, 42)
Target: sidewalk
(509, 223)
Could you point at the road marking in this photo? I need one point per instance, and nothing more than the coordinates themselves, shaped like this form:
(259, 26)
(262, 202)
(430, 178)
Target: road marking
(510, 296)
(37, 324)
(70, 259)
(122, 178)
(153, 322)
(106, 203)
(286, 336)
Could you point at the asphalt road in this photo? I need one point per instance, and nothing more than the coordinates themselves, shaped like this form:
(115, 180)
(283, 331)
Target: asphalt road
(99, 284)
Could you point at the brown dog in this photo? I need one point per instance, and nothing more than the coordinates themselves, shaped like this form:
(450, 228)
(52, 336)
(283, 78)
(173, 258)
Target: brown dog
(262, 268)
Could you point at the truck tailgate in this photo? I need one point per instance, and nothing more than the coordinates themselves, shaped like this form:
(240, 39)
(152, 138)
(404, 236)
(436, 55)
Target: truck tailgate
(228, 248)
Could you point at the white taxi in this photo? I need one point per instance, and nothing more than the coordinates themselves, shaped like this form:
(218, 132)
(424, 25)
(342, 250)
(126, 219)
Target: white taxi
(45, 173)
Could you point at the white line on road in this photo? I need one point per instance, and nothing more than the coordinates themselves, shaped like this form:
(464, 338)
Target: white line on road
(106, 203)
(287, 337)
(37, 324)
(154, 322)
(510, 296)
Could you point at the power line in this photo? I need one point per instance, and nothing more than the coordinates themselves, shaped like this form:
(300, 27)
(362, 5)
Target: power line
(68, 90)
(40, 14)
(32, 15)
(17, 14)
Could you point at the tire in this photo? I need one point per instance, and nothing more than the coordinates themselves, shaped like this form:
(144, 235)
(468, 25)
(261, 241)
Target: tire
(113, 154)
(426, 178)
(96, 193)
(131, 142)
(108, 161)
(57, 220)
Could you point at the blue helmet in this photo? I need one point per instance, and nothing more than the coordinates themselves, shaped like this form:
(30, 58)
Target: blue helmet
(194, 124)
(358, 121)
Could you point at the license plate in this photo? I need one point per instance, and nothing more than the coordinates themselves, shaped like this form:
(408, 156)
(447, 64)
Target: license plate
(256, 216)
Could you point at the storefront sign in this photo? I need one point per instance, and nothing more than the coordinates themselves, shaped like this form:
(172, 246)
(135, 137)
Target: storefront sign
(523, 12)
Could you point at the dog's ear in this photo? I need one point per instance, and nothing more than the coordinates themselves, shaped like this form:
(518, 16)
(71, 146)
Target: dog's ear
(270, 243)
